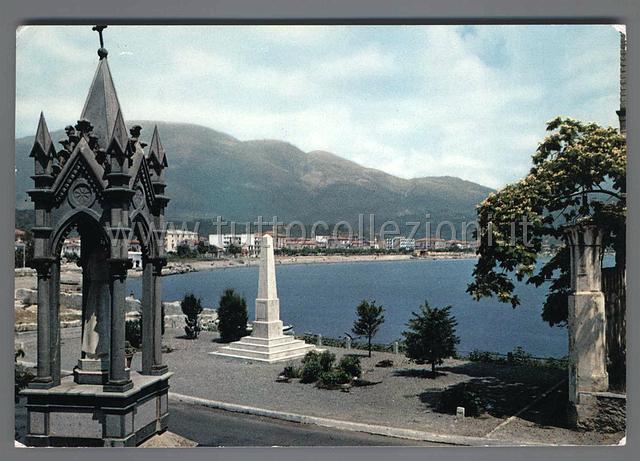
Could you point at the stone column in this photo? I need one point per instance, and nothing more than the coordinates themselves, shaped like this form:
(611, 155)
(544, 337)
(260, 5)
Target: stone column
(43, 379)
(152, 319)
(158, 367)
(587, 320)
(119, 379)
(147, 316)
(54, 322)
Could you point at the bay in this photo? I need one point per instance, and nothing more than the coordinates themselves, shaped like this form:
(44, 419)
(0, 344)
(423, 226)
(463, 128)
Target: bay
(322, 298)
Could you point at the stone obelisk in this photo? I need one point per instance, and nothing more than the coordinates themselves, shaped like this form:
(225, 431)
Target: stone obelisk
(267, 343)
(267, 324)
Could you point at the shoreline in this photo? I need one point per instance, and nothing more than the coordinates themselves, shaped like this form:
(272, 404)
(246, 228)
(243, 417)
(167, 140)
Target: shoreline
(196, 265)
(72, 274)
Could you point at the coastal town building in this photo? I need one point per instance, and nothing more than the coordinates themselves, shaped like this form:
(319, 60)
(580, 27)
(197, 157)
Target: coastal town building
(400, 243)
(249, 243)
(177, 237)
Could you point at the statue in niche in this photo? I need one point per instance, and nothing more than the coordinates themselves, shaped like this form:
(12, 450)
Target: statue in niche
(96, 308)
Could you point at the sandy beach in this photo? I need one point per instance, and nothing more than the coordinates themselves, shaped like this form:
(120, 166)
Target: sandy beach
(203, 265)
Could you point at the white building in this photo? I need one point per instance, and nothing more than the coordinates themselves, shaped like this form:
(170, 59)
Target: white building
(400, 243)
(176, 237)
(136, 258)
(248, 242)
(71, 247)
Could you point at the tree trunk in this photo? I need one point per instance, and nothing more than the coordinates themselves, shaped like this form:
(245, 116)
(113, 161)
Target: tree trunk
(433, 368)
(369, 346)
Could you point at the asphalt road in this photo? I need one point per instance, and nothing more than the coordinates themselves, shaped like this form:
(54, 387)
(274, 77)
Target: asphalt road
(212, 428)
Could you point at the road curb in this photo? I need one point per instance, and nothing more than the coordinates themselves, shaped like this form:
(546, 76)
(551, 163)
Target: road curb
(388, 431)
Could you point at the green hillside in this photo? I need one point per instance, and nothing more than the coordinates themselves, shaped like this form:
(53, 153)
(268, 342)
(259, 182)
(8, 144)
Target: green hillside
(211, 173)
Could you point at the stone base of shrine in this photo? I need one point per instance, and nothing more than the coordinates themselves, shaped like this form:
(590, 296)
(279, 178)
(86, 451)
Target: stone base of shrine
(272, 350)
(599, 411)
(84, 415)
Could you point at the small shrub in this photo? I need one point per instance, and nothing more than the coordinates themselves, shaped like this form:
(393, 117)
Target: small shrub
(133, 333)
(291, 371)
(310, 371)
(460, 396)
(350, 365)
(311, 356)
(480, 356)
(384, 363)
(232, 315)
(519, 357)
(23, 376)
(326, 360)
(191, 308)
(333, 379)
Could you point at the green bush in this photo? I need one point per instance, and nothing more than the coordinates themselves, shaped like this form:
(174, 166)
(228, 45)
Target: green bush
(22, 375)
(482, 356)
(133, 333)
(326, 360)
(384, 363)
(460, 396)
(232, 315)
(311, 356)
(191, 308)
(350, 365)
(333, 379)
(311, 370)
(291, 371)
(519, 357)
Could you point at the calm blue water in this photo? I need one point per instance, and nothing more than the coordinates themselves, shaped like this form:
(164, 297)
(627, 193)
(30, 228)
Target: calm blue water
(321, 298)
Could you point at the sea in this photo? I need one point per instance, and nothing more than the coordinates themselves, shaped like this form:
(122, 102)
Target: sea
(322, 299)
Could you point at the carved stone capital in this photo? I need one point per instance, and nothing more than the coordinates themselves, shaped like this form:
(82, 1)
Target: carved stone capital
(119, 267)
(158, 264)
(43, 266)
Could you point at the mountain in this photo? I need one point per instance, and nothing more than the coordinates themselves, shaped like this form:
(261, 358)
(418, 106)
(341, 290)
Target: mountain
(211, 173)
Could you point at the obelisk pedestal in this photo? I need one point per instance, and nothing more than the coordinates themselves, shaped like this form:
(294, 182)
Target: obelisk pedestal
(267, 343)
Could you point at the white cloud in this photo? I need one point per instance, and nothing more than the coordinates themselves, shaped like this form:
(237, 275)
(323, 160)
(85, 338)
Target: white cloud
(412, 101)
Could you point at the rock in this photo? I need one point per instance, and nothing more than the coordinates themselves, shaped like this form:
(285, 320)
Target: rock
(24, 272)
(172, 308)
(26, 296)
(71, 300)
(132, 304)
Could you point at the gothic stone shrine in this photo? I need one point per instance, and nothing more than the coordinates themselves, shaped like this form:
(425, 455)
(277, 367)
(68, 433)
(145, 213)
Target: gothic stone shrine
(102, 185)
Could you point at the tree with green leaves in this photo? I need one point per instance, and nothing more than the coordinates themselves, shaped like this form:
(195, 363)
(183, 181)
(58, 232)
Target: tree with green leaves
(184, 251)
(232, 316)
(370, 319)
(202, 248)
(234, 249)
(578, 174)
(191, 308)
(431, 335)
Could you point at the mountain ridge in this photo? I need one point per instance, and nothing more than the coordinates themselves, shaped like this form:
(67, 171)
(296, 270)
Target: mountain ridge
(212, 173)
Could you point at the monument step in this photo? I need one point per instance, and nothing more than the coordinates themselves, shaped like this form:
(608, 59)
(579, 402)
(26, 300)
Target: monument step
(270, 341)
(267, 348)
(265, 351)
(291, 353)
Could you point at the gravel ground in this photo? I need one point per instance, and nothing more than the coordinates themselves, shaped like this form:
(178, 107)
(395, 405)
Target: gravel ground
(404, 398)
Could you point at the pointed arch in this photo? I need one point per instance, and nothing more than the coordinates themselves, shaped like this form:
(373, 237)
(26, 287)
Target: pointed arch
(72, 220)
(142, 230)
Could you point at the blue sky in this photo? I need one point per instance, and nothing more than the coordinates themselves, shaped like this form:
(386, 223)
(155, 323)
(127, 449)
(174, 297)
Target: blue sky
(467, 101)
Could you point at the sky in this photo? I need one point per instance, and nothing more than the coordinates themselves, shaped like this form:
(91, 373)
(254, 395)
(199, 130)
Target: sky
(413, 101)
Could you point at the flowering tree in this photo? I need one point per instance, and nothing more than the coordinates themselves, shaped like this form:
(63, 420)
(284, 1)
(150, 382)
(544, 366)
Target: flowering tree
(578, 173)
